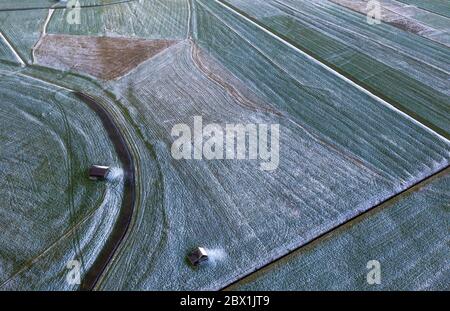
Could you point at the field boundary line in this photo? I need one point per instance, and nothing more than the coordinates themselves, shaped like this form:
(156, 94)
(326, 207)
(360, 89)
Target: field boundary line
(329, 69)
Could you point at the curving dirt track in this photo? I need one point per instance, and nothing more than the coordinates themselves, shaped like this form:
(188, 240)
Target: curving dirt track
(126, 211)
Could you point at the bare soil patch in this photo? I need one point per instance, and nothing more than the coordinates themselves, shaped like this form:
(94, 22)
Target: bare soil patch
(107, 58)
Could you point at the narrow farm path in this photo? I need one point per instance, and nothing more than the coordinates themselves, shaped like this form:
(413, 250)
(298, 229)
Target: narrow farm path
(126, 211)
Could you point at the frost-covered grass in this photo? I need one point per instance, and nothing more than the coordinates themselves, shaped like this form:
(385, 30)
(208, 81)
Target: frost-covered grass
(409, 237)
(437, 6)
(410, 72)
(245, 216)
(342, 151)
(155, 19)
(410, 18)
(22, 29)
(5, 51)
(51, 213)
(28, 4)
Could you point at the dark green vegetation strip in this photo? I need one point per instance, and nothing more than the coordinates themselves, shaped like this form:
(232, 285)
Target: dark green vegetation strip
(123, 221)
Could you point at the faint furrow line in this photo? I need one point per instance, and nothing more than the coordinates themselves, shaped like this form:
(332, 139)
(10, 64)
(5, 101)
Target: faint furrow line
(26, 75)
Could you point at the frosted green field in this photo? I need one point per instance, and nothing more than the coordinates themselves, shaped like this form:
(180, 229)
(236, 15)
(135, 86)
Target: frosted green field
(51, 213)
(159, 19)
(436, 6)
(410, 18)
(410, 72)
(409, 237)
(364, 115)
(5, 53)
(31, 4)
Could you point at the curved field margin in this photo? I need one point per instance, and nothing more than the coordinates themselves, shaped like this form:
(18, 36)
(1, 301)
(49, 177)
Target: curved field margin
(123, 221)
